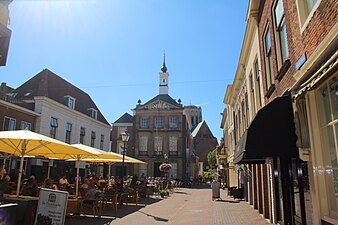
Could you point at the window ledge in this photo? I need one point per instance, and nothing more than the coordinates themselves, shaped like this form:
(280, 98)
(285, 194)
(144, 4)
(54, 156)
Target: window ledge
(282, 71)
(272, 88)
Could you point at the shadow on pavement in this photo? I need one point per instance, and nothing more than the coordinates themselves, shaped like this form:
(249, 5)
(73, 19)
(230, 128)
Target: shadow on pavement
(156, 217)
(229, 201)
(74, 220)
(108, 214)
(182, 193)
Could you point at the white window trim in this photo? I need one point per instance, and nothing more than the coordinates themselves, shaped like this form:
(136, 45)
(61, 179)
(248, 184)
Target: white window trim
(10, 118)
(26, 124)
(74, 101)
(92, 115)
(303, 26)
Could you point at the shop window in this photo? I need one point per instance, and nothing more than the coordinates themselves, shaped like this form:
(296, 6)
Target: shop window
(327, 106)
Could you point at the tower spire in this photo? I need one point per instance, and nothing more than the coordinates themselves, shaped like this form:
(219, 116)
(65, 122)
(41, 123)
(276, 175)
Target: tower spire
(164, 76)
(164, 68)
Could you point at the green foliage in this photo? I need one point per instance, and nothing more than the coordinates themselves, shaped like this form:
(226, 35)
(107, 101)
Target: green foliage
(207, 174)
(212, 159)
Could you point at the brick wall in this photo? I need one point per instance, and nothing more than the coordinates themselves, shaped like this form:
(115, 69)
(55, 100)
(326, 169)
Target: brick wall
(322, 21)
(17, 115)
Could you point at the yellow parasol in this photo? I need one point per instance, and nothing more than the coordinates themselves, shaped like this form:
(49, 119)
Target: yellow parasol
(27, 143)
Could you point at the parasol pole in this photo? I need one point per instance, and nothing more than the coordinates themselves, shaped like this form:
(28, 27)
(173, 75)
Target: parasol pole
(48, 171)
(77, 176)
(23, 151)
(4, 166)
(109, 168)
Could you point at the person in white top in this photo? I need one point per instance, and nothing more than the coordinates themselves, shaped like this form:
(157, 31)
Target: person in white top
(63, 181)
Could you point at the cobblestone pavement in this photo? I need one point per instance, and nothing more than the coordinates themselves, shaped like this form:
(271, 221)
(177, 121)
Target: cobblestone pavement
(186, 206)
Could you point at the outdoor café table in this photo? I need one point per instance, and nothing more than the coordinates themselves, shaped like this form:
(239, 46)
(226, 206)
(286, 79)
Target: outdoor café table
(27, 208)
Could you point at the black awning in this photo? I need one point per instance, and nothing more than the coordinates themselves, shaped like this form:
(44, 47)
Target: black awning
(270, 134)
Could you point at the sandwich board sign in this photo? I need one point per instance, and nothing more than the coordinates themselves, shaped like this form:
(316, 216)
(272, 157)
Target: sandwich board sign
(52, 207)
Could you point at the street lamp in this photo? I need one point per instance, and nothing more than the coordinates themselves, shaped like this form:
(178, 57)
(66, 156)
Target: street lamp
(166, 161)
(125, 138)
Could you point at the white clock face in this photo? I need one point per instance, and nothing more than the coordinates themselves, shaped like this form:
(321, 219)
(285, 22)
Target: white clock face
(163, 81)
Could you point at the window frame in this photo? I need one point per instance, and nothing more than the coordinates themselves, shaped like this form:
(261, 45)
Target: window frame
(173, 122)
(82, 134)
(326, 121)
(53, 127)
(69, 100)
(144, 122)
(280, 32)
(158, 122)
(24, 125)
(69, 127)
(269, 70)
(101, 141)
(93, 113)
(10, 119)
(304, 17)
(257, 83)
(92, 139)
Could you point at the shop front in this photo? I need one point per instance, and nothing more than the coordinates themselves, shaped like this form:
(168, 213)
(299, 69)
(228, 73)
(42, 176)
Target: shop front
(316, 101)
(268, 149)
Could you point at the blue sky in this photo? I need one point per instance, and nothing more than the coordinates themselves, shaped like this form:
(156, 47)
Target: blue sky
(113, 49)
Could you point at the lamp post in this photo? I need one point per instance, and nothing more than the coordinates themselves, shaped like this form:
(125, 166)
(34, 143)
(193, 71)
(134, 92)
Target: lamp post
(166, 161)
(125, 138)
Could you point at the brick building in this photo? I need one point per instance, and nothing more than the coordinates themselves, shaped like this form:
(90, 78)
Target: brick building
(161, 133)
(286, 156)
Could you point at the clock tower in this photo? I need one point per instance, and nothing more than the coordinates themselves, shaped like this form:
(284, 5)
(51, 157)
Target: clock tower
(164, 75)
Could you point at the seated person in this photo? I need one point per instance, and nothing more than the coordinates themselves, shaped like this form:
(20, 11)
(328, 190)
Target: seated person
(63, 182)
(91, 194)
(30, 188)
(101, 183)
(49, 183)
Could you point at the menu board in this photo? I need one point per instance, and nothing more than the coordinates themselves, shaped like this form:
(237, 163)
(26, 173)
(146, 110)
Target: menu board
(51, 207)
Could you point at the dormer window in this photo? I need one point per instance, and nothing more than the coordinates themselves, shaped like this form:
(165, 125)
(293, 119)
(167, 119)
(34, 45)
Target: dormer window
(70, 101)
(93, 113)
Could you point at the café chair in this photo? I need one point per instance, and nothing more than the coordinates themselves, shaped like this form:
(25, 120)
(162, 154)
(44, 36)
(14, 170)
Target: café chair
(92, 205)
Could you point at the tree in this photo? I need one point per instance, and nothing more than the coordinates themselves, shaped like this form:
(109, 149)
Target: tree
(212, 159)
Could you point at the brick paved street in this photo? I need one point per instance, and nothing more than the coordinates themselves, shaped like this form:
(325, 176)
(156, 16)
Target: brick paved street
(186, 206)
